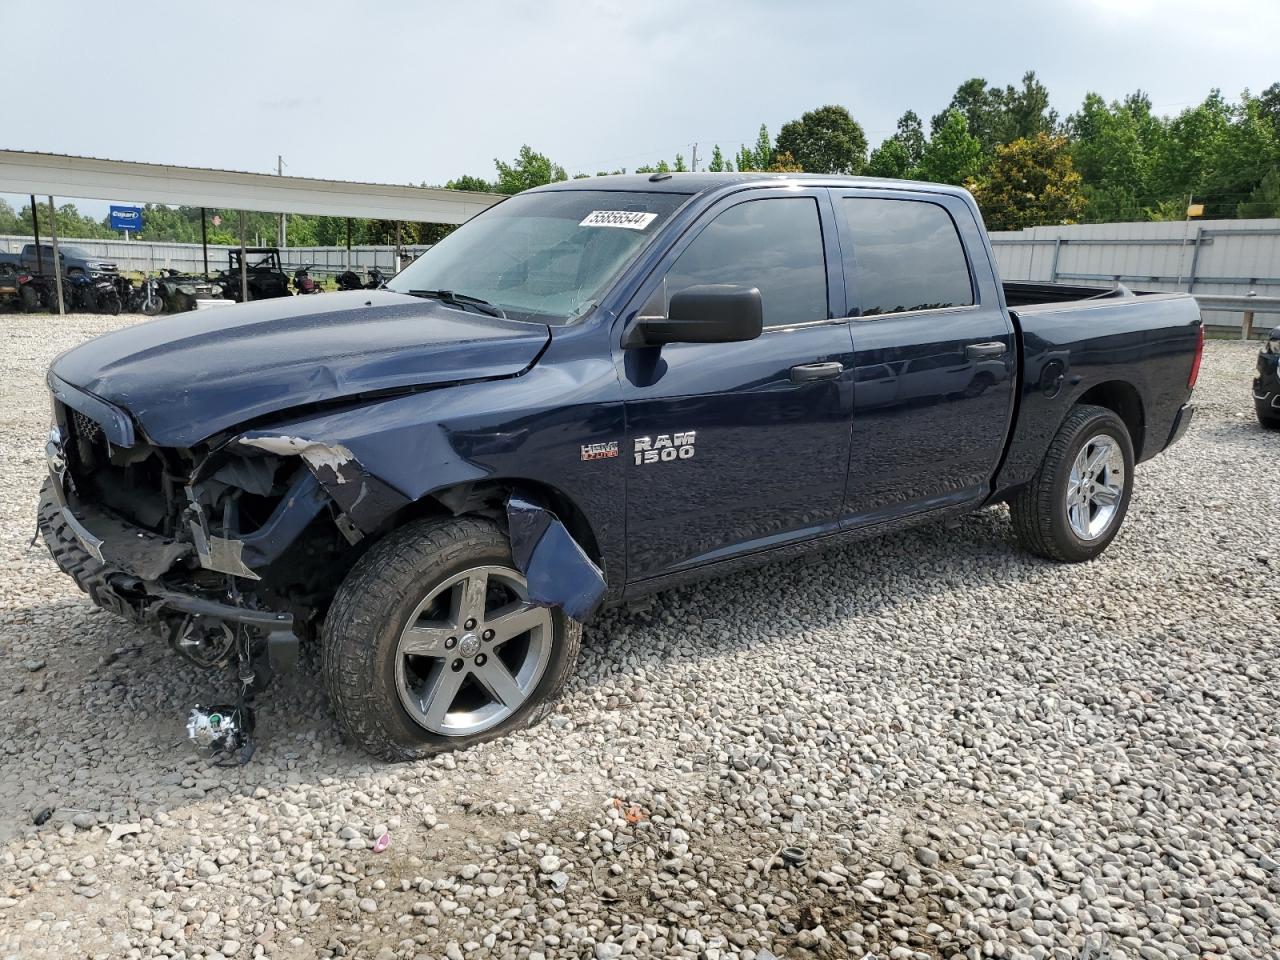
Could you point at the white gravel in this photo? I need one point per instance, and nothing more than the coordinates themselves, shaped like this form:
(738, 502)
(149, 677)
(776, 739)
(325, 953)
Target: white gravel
(977, 753)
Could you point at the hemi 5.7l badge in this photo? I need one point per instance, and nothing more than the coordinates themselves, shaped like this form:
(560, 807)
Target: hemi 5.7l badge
(600, 451)
(665, 447)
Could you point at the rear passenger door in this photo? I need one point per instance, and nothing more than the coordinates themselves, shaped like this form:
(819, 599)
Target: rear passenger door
(934, 354)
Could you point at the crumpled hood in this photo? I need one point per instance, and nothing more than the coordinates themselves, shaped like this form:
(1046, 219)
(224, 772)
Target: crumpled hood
(188, 376)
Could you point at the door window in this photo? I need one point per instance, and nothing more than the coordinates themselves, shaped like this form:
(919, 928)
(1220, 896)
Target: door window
(906, 255)
(774, 244)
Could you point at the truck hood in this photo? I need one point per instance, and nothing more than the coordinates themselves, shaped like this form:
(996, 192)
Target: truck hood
(188, 376)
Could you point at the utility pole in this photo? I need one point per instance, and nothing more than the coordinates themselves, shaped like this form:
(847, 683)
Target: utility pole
(283, 233)
(693, 163)
(57, 258)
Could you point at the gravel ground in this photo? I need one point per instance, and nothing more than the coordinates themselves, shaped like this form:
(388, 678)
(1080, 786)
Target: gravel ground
(978, 753)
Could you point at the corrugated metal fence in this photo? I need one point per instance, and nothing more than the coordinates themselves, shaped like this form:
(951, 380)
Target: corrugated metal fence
(145, 256)
(1210, 257)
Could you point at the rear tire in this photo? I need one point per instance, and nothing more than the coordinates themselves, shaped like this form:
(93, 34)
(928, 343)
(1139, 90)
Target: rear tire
(1076, 503)
(415, 587)
(1265, 417)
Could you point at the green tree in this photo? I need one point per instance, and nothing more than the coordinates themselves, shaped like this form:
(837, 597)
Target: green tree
(11, 223)
(911, 135)
(995, 115)
(890, 160)
(759, 156)
(825, 140)
(1264, 200)
(1112, 148)
(1030, 182)
(468, 182)
(718, 163)
(953, 155)
(529, 169)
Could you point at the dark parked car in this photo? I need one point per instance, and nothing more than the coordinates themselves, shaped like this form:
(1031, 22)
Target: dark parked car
(592, 391)
(1266, 386)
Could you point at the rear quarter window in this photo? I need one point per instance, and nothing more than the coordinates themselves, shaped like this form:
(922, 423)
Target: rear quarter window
(904, 255)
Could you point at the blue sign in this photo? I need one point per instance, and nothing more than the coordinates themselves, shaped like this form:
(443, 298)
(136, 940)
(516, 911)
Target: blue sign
(126, 218)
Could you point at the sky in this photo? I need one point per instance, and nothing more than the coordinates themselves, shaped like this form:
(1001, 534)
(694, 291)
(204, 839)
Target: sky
(405, 92)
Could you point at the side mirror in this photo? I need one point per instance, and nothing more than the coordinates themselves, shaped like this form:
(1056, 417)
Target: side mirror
(711, 313)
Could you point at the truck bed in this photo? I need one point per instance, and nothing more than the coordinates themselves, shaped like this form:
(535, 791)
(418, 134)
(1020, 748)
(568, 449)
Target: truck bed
(1019, 294)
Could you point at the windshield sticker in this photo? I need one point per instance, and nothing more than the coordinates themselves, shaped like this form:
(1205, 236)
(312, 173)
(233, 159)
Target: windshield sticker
(626, 219)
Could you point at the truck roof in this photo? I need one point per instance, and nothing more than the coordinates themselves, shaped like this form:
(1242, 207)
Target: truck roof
(695, 183)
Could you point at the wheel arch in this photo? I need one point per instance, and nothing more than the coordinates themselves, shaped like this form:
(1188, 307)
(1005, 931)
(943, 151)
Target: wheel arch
(488, 498)
(1123, 399)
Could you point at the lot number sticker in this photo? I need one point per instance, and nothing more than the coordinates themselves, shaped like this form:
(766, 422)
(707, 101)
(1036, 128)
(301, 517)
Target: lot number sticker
(626, 219)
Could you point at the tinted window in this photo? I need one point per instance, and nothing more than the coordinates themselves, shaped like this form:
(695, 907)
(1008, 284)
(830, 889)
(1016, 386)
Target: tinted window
(773, 244)
(906, 256)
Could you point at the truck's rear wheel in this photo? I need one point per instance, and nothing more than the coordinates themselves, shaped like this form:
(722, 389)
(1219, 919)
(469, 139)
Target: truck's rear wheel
(1269, 417)
(431, 643)
(1073, 508)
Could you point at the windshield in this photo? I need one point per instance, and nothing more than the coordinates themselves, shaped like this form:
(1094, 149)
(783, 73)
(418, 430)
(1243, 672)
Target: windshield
(541, 256)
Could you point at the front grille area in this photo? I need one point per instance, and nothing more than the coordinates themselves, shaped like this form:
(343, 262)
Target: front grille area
(131, 482)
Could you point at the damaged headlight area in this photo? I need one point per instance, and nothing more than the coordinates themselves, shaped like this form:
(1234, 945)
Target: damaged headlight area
(217, 544)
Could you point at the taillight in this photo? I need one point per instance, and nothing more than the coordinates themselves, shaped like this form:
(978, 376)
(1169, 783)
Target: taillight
(1195, 363)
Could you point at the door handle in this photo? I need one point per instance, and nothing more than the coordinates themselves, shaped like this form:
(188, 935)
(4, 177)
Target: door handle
(808, 372)
(979, 351)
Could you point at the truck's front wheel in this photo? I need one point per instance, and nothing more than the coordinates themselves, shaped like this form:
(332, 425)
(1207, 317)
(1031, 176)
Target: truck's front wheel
(431, 643)
(1073, 508)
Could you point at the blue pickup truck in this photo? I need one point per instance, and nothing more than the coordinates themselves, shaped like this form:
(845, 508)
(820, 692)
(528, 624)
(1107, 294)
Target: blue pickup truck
(592, 391)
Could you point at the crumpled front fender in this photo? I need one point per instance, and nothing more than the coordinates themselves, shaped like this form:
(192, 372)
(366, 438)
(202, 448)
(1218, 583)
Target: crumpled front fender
(558, 570)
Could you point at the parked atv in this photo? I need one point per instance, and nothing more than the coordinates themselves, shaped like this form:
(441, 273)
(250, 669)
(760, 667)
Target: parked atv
(264, 275)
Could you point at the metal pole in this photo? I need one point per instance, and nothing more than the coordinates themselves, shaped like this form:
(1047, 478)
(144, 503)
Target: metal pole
(1186, 232)
(1246, 326)
(284, 235)
(35, 229)
(1053, 269)
(395, 267)
(348, 243)
(204, 240)
(244, 273)
(57, 260)
(1195, 259)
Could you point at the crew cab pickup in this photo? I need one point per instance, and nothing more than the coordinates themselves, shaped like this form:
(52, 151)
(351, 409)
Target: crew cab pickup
(75, 261)
(592, 391)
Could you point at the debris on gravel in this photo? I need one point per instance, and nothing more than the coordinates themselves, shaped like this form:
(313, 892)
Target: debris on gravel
(976, 754)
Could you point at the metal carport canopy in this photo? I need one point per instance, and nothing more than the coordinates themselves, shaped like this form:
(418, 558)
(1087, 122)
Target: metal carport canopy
(58, 175)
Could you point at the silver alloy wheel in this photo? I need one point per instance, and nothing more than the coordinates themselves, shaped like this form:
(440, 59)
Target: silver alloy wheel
(1095, 487)
(472, 652)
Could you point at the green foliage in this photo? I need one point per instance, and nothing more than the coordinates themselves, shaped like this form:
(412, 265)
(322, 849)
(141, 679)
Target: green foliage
(529, 169)
(718, 163)
(953, 155)
(468, 182)
(759, 156)
(996, 115)
(1031, 181)
(1264, 201)
(890, 160)
(784, 162)
(825, 140)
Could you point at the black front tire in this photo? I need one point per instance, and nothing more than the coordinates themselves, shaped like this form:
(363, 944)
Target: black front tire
(371, 608)
(1039, 510)
(1267, 416)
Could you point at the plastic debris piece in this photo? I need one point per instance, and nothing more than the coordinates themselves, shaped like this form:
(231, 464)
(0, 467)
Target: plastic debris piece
(382, 843)
(41, 816)
(795, 856)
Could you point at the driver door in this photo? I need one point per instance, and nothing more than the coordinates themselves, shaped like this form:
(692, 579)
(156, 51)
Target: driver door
(733, 448)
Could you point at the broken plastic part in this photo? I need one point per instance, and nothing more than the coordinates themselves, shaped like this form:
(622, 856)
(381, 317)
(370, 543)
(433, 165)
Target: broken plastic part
(365, 500)
(313, 452)
(558, 570)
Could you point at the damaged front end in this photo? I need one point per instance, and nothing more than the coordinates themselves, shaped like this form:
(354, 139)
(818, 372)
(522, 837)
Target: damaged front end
(232, 548)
